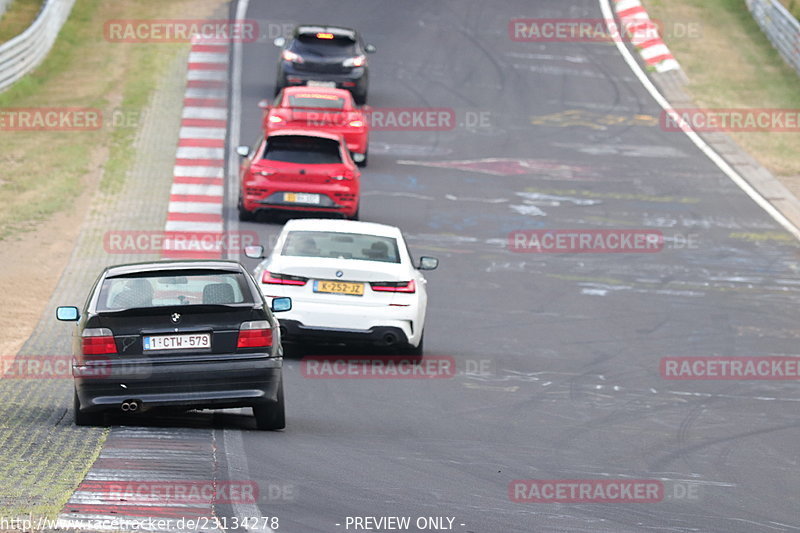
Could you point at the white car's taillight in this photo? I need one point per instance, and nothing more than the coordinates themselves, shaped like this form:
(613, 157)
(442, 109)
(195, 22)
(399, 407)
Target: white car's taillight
(394, 286)
(282, 279)
(98, 341)
(255, 334)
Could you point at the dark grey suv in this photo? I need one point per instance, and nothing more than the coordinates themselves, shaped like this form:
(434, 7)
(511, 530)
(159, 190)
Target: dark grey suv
(186, 334)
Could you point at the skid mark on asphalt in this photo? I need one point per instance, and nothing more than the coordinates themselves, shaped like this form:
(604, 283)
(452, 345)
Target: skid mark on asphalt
(194, 227)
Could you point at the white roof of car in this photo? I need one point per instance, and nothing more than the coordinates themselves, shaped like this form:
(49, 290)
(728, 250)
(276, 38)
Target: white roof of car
(341, 226)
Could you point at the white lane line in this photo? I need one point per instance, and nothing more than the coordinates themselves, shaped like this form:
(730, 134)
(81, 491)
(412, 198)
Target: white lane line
(190, 132)
(695, 138)
(214, 113)
(192, 189)
(199, 152)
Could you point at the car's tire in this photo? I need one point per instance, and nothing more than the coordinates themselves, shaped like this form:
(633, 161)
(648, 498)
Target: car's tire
(364, 162)
(271, 416)
(244, 214)
(278, 89)
(356, 214)
(85, 419)
(418, 350)
(360, 97)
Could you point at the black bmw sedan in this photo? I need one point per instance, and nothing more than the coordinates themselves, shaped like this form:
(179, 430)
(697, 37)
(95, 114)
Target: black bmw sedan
(186, 334)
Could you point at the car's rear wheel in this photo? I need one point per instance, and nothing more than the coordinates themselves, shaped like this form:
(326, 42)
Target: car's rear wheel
(356, 214)
(271, 416)
(417, 350)
(363, 162)
(360, 97)
(85, 419)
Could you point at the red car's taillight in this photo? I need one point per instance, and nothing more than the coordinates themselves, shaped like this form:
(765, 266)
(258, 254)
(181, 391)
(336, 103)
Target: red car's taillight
(394, 286)
(275, 119)
(282, 279)
(356, 123)
(98, 341)
(255, 334)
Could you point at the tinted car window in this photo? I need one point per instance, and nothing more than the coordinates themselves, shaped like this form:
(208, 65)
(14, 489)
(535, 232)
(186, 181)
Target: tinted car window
(341, 245)
(160, 289)
(336, 47)
(317, 101)
(303, 150)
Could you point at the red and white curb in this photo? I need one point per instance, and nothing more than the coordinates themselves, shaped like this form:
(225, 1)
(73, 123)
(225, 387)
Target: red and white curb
(644, 35)
(194, 226)
(107, 499)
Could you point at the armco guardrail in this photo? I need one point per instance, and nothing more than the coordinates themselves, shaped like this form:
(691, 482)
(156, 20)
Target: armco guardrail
(781, 28)
(26, 51)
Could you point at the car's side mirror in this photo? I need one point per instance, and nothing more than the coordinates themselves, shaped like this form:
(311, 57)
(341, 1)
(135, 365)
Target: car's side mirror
(243, 151)
(280, 305)
(279, 41)
(370, 49)
(264, 104)
(428, 263)
(254, 251)
(68, 313)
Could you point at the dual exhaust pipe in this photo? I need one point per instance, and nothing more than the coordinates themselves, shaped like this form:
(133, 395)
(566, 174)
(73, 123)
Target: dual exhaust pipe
(130, 406)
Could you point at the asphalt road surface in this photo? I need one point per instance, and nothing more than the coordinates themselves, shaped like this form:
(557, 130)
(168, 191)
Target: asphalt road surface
(558, 354)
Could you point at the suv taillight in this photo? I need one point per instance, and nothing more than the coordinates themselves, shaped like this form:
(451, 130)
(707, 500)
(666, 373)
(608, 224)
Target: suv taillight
(394, 286)
(98, 341)
(255, 334)
(282, 279)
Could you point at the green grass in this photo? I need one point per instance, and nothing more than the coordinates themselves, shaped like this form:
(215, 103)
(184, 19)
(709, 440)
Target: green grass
(733, 65)
(793, 6)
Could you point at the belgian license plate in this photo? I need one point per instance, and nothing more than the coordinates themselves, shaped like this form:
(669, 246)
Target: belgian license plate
(315, 83)
(300, 198)
(339, 287)
(186, 341)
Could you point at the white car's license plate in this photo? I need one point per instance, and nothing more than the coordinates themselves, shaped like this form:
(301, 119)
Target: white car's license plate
(314, 83)
(178, 342)
(300, 198)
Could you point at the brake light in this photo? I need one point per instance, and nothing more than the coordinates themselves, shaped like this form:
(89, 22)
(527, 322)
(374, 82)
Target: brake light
(282, 279)
(394, 286)
(98, 341)
(275, 119)
(288, 55)
(324, 36)
(356, 123)
(358, 61)
(255, 334)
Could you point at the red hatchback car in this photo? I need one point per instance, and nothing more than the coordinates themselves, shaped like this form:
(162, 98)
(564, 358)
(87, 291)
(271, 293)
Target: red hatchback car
(299, 170)
(323, 109)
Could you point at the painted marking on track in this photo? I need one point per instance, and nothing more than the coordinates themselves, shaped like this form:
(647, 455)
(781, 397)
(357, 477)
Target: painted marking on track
(506, 166)
(592, 119)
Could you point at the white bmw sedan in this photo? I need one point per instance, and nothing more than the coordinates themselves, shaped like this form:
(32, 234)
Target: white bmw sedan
(350, 282)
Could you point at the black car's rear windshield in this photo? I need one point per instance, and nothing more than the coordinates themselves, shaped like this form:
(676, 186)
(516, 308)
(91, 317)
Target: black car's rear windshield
(303, 150)
(310, 44)
(159, 289)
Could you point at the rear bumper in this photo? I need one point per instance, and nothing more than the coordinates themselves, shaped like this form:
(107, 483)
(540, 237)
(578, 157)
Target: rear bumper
(217, 384)
(333, 199)
(288, 76)
(382, 336)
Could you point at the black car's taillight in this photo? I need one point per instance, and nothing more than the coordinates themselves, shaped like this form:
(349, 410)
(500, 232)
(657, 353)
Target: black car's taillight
(282, 279)
(255, 334)
(98, 341)
(394, 286)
